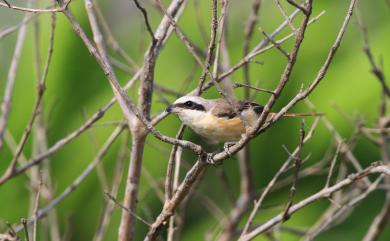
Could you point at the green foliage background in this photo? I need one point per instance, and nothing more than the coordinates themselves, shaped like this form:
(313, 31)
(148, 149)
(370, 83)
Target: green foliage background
(77, 87)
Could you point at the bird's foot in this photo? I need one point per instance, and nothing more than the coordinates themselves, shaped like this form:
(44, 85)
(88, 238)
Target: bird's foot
(210, 158)
(226, 147)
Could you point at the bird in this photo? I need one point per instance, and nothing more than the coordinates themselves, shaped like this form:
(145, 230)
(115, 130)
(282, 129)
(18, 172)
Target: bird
(217, 120)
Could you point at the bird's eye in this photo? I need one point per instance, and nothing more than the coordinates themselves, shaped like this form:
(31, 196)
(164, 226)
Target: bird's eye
(189, 103)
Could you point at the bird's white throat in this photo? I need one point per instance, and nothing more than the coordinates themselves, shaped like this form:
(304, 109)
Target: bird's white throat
(191, 117)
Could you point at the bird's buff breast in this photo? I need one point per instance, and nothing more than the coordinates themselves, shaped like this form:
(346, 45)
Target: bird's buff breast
(218, 129)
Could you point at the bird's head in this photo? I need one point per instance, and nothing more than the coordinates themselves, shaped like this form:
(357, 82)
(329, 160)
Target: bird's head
(186, 103)
(189, 108)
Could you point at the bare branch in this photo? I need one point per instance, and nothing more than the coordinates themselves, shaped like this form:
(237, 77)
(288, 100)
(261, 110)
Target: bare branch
(35, 211)
(248, 33)
(324, 193)
(379, 223)
(282, 82)
(102, 152)
(12, 29)
(117, 177)
(302, 8)
(34, 10)
(178, 196)
(25, 227)
(277, 45)
(211, 47)
(271, 184)
(40, 92)
(283, 12)
(298, 163)
(367, 50)
(145, 14)
(236, 85)
(127, 209)
(332, 165)
(336, 212)
(8, 91)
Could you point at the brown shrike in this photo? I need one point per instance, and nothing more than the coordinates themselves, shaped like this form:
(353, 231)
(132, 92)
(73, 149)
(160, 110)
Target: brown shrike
(216, 119)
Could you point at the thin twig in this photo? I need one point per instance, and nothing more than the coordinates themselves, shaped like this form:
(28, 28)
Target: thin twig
(36, 209)
(332, 165)
(111, 41)
(117, 177)
(298, 163)
(102, 152)
(345, 150)
(147, 23)
(137, 125)
(338, 211)
(271, 184)
(248, 33)
(25, 227)
(237, 85)
(200, 165)
(37, 106)
(282, 83)
(36, 10)
(277, 45)
(303, 9)
(211, 47)
(324, 193)
(367, 50)
(8, 91)
(283, 12)
(65, 140)
(9, 30)
(7, 3)
(378, 225)
(127, 209)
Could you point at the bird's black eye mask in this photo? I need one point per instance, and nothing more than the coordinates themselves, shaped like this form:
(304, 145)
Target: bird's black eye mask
(190, 105)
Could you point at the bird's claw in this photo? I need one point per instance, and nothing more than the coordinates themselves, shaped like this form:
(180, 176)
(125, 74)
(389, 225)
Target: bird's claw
(210, 159)
(226, 147)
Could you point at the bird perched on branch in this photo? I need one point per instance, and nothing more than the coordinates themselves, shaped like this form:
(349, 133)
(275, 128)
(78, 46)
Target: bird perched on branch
(216, 119)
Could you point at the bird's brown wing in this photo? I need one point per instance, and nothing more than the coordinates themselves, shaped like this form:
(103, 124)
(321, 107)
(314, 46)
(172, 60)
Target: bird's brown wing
(223, 109)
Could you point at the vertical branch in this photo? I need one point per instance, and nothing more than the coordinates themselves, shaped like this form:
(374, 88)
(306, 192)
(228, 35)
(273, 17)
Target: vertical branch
(379, 223)
(39, 134)
(244, 155)
(172, 177)
(181, 192)
(117, 177)
(246, 185)
(127, 226)
(171, 180)
(248, 32)
(283, 12)
(298, 163)
(211, 47)
(25, 227)
(82, 177)
(111, 41)
(8, 91)
(36, 109)
(35, 211)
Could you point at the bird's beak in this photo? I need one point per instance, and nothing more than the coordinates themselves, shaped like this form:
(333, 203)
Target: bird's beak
(169, 109)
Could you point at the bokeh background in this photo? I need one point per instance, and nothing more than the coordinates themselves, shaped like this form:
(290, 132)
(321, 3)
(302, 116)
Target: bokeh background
(76, 88)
